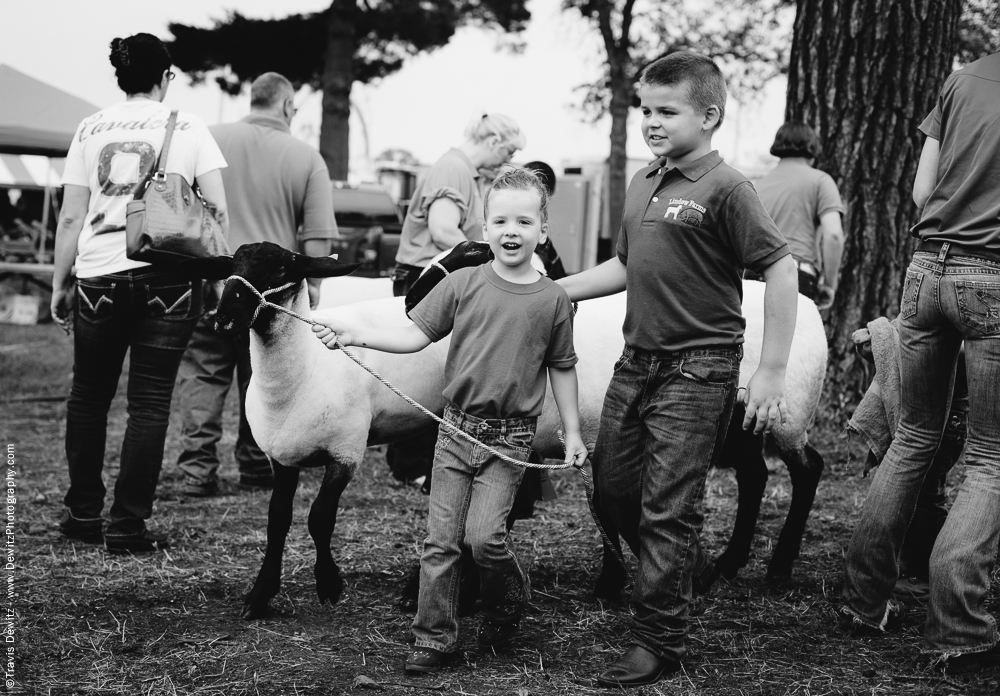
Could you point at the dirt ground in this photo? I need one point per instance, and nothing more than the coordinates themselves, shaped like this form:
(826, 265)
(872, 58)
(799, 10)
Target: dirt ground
(81, 621)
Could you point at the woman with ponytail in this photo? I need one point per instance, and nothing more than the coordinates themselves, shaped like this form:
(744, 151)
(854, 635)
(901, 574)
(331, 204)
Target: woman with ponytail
(120, 306)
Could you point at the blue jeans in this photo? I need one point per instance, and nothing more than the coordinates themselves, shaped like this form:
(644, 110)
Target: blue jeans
(664, 421)
(932, 503)
(471, 497)
(149, 314)
(946, 299)
(205, 377)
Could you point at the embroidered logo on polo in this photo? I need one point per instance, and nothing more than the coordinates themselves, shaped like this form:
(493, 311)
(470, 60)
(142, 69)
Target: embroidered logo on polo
(686, 211)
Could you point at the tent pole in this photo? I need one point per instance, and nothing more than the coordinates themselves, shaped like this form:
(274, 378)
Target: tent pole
(45, 223)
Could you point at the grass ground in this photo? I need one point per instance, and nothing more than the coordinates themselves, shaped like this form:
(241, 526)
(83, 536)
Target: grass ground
(84, 622)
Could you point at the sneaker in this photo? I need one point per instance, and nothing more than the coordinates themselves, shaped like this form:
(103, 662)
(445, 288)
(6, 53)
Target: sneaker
(200, 489)
(849, 622)
(89, 530)
(913, 589)
(968, 663)
(492, 635)
(427, 660)
(144, 542)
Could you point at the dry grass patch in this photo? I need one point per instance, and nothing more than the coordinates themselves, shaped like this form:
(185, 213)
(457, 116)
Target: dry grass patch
(168, 623)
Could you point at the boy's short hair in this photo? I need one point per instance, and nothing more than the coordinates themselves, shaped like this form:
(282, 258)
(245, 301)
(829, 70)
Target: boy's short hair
(482, 126)
(795, 139)
(705, 84)
(517, 179)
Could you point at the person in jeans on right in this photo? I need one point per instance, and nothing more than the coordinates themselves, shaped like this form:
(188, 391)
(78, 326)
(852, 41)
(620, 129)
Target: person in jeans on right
(951, 293)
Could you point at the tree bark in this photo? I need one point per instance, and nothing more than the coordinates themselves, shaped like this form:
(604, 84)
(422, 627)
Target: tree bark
(338, 77)
(864, 74)
(619, 63)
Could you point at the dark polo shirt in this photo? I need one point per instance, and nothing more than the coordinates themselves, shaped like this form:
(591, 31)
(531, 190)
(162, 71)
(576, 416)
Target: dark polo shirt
(687, 234)
(964, 207)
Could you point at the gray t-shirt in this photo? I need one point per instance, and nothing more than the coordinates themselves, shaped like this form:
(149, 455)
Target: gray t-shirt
(504, 335)
(795, 196)
(964, 207)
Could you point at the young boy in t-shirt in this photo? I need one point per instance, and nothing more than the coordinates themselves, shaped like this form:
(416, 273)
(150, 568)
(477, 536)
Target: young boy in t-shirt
(691, 225)
(509, 326)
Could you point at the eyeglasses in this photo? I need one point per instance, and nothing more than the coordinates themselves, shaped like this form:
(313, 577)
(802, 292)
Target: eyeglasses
(171, 74)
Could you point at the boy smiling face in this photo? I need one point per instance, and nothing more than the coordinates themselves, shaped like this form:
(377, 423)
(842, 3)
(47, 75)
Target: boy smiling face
(513, 228)
(672, 126)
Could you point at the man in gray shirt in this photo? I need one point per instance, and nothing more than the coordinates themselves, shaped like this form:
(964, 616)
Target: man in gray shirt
(278, 189)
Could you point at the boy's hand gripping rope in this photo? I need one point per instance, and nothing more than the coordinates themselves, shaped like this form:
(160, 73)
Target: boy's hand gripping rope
(588, 484)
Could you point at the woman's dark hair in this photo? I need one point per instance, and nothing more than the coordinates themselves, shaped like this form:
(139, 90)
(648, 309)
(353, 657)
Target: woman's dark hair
(545, 173)
(139, 62)
(795, 139)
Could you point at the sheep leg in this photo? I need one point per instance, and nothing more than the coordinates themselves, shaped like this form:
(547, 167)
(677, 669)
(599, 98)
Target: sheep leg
(322, 520)
(613, 576)
(279, 520)
(742, 451)
(805, 469)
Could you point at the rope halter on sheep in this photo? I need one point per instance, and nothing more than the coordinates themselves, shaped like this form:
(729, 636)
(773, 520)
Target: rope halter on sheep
(588, 484)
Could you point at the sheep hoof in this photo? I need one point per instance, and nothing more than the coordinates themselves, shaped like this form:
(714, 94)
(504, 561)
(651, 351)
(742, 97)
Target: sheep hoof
(610, 583)
(407, 605)
(778, 577)
(702, 583)
(329, 585)
(407, 602)
(254, 610)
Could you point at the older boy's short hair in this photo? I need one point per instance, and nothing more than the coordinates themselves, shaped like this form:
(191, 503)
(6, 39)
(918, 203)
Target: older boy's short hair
(482, 126)
(795, 139)
(517, 179)
(705, 84)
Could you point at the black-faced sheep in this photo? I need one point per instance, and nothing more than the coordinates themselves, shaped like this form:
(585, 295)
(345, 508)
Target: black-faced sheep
(311, 407)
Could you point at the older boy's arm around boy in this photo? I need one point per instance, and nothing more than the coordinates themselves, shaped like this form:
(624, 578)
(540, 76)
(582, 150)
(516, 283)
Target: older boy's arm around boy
(510, 326)
(690, 226)
(765, 397)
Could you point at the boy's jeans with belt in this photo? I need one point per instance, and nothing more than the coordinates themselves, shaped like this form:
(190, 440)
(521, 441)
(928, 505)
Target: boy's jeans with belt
(947, 298)
(471, 497)
(663, 424)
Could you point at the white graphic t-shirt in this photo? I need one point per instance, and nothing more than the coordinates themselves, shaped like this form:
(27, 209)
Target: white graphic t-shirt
(114, 155)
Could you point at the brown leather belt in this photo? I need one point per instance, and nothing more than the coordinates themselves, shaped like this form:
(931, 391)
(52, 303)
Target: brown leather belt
(934, 247)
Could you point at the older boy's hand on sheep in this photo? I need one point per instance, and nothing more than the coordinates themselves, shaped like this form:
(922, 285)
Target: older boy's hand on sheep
(576, 451)
(765, 400)
(329, 334)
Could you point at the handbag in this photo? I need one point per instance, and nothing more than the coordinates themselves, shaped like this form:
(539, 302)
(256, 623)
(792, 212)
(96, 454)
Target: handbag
(171, 221)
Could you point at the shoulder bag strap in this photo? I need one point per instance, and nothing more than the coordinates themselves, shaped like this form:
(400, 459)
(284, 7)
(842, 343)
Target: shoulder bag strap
(161, 162)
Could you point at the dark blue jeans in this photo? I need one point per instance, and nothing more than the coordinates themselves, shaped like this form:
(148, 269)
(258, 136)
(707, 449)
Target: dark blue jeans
(206, 375)
(664, 421)
(149, 314)
(471, 497)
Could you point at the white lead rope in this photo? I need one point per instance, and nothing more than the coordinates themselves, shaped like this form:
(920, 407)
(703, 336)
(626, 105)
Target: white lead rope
(588, 484)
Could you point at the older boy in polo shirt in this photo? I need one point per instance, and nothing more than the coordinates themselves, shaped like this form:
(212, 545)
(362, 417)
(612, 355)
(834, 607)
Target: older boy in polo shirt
(691, 225)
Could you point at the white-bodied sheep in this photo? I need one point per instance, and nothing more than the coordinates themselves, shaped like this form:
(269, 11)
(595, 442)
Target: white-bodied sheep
(311, 407)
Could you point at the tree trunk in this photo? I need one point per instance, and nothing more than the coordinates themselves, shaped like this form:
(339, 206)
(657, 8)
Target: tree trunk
(338, 76)
(618, 157)
(864, 74)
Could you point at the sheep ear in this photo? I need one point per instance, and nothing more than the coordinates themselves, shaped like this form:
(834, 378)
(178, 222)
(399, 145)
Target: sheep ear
(212, 268)
(322, 266)
(467, 253)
